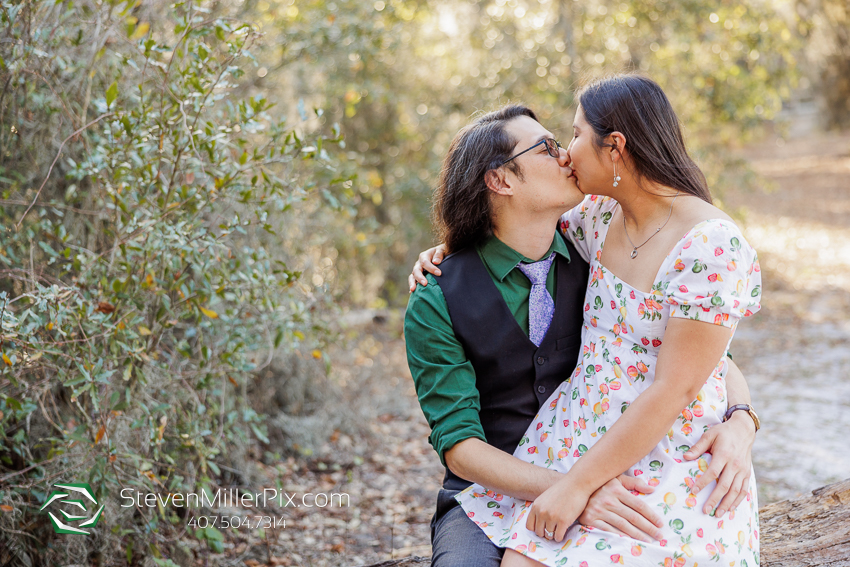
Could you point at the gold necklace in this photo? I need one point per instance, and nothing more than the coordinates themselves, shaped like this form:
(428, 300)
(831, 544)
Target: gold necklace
(634, 253)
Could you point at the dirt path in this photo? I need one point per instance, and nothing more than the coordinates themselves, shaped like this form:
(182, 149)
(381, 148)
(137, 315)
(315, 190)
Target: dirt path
(384, 465)
(392, 492)
(795, 354)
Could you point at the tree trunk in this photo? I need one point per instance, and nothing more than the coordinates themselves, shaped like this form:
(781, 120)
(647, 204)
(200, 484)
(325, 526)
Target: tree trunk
(813, 531)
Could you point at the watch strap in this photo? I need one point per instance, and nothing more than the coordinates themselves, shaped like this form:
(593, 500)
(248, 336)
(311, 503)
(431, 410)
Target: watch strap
(746, 407)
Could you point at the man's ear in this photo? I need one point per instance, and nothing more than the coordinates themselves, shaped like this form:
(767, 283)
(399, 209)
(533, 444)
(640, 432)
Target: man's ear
(497, 182)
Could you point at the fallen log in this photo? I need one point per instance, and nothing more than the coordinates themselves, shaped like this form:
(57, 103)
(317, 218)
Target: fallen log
(808, 532)
(812, 531)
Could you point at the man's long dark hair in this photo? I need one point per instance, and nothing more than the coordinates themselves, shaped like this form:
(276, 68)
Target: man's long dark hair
(638, 108)
(462, 209)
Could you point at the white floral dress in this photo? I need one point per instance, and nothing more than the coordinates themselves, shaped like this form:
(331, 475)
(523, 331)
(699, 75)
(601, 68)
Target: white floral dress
(712, 274)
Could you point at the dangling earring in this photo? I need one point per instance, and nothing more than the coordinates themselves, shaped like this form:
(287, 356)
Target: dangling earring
(616, 177)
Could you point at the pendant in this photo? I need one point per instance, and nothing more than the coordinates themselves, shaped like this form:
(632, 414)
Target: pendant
(633, 254)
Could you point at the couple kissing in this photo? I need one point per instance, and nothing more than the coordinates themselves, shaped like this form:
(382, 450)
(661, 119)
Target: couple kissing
(573, 366)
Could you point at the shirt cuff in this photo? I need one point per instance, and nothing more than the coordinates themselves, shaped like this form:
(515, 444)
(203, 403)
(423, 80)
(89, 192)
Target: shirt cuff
(465, 424)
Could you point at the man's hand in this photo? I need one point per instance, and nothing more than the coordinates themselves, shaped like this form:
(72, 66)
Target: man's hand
(615, 509)
(426, 261)
(730, 445)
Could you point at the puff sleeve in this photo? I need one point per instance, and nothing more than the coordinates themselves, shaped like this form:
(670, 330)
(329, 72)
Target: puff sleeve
(715, 275)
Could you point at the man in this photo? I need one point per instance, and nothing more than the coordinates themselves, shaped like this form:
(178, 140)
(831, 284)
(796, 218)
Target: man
(490, 339)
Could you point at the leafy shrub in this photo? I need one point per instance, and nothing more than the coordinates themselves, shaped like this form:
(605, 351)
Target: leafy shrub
(143, 277)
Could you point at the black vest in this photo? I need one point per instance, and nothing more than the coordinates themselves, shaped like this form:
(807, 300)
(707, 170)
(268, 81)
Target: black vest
(513, 376)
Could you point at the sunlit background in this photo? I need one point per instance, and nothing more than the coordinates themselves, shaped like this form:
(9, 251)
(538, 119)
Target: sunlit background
(229, 215)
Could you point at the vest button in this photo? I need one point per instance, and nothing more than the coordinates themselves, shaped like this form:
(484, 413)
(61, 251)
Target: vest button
(540, 360)
(541, 389)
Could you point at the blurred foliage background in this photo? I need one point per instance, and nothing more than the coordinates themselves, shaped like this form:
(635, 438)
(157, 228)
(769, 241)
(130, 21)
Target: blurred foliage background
(192, 193)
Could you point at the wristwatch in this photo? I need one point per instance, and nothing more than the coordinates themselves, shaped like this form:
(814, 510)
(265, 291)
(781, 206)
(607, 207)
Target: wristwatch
(748, 408)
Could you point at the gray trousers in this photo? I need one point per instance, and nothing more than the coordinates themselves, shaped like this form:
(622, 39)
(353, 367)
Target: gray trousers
(455, 539)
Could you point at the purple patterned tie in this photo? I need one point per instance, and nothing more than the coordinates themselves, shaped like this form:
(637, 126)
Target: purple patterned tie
(541, 307)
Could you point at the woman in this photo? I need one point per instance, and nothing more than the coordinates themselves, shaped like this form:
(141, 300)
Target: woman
(671, 276)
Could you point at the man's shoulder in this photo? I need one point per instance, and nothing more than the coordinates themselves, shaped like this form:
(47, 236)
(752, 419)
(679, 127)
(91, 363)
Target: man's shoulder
(457, 258)
(456, 266)
(430, 299)
(433, 286)
(427, 315)
(426, 297)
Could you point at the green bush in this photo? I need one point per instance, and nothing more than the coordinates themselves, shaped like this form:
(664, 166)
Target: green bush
(142, 275)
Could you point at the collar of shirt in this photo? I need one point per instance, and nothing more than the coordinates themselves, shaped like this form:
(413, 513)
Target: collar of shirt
(501, 259)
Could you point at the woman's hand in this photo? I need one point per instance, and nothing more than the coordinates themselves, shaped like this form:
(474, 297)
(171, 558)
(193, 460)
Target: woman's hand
(426, 261)
(730, 445)
(556, 509)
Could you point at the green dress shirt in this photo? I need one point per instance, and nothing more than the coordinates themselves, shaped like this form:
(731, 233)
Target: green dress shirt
(443, 376)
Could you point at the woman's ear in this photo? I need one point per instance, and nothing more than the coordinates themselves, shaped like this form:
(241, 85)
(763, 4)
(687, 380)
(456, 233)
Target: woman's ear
(617, 143)
(496, 181)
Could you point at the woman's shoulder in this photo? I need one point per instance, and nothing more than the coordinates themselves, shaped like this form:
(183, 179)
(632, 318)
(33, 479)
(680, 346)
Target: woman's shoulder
(715, 246)
(704, 223)
(713, 233)
(696, 211)
(714, 273)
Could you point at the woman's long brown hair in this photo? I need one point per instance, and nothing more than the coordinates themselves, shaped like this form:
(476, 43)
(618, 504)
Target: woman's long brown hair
(638, 108)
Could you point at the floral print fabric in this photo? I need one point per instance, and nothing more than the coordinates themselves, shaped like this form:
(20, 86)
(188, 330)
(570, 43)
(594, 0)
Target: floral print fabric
(711, 275)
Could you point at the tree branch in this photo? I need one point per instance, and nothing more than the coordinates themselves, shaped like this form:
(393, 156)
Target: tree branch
(59, 153)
